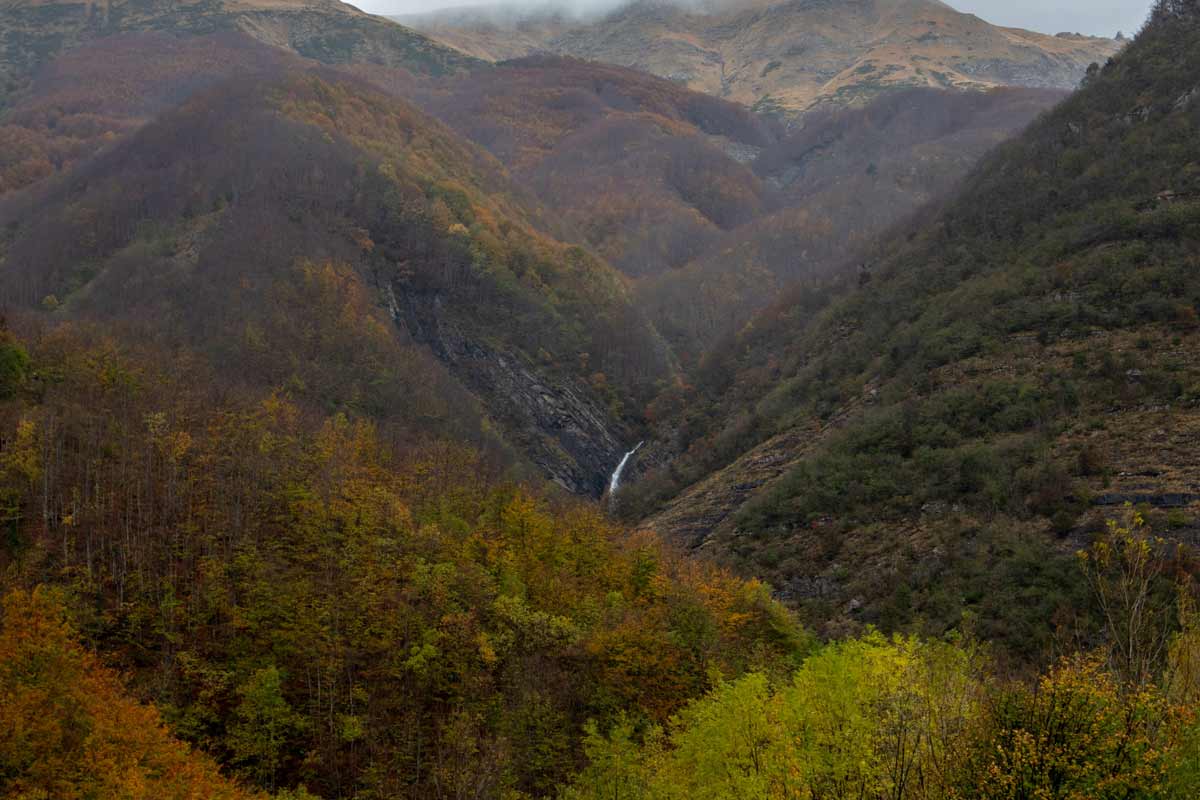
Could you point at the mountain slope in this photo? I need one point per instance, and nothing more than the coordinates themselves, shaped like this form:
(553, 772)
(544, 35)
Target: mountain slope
(645, 171)
(69, 729)
(714, 209)
(307, 231)
(32, 32)
(836, 185)
(788, 56)
(706, 175)
(92, 96)
(312, 601)
(939, 436)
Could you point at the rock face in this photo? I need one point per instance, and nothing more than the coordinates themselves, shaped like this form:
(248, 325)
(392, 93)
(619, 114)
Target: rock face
(33, 32)
(552, 419)
(788, 56)
(1167, 500)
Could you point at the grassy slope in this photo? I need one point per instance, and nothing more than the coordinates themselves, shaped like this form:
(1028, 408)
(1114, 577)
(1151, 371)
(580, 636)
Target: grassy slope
(784, 57)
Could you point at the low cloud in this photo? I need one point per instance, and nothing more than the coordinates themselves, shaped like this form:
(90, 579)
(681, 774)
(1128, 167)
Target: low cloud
(515, 10)
(1096, 17)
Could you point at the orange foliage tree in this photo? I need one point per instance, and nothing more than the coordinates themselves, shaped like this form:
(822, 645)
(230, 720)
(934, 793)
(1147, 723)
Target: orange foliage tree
(68, 730)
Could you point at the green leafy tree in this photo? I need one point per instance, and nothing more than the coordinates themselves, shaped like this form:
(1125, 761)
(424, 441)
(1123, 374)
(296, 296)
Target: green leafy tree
(14, 364)
(265, 726)
(618, 766)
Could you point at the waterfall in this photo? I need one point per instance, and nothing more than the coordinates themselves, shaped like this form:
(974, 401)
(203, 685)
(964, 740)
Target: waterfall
(615, 483)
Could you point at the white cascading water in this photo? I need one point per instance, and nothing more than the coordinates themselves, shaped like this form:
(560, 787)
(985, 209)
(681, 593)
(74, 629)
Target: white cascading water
(615, 483)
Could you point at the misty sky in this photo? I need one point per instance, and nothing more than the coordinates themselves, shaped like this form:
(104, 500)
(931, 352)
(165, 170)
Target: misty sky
(1101, 17)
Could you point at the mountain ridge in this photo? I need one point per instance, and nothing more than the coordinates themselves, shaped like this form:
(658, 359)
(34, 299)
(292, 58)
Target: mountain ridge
(787, 57)
(33, 32)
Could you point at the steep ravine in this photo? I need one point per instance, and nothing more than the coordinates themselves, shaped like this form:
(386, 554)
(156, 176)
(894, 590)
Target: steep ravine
(553, 419)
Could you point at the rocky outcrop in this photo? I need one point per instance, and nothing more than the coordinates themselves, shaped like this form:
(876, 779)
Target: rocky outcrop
(705, 511)
(1042, 72)
(1166, 500)
(1185, 100)
(552, 419)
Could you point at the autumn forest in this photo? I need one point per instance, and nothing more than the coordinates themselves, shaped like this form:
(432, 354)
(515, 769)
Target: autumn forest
(474, 411)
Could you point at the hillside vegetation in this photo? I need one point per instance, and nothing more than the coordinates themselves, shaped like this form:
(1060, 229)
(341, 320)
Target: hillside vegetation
(310, 230)
(67, 729)
(710, 208)
(312, 378)
(94, 95)
(906, 718)
(714, 210)
(834, 185)
(34, 32)
(639, 167)
(313, 603)
(936, 437)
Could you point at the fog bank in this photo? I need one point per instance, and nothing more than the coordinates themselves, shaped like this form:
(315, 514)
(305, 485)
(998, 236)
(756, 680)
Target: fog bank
(1094, 17)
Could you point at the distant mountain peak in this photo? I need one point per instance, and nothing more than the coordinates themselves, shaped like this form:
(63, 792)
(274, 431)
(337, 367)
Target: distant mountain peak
(784, 56)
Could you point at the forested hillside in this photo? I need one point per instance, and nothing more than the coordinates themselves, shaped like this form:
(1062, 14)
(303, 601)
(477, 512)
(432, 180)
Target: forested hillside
(938, 435)
(835, 185)
(711, 209)
(375, 423)
(94, 95)
(639, 166)
(309, 230)
(906, 718)
(68, 729)
(312, 601)
(330, 614)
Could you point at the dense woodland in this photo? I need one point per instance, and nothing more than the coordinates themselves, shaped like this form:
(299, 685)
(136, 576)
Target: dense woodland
(714, 210)
(314, 607)
(1018, 353)
(711, 208)
(309, 229)
(636, 165)
(309, 381)
(311, 603)
(835, 185)
(90, 97)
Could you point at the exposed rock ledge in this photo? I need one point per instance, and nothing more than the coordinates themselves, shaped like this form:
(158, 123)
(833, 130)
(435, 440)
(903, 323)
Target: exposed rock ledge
(552, 420)
(1167, 500)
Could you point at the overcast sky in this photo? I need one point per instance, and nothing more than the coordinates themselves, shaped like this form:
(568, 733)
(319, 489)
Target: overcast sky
(1100, 17)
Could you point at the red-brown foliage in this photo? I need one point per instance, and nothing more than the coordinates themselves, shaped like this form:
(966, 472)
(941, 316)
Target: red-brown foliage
(94, 95)
(636, 165)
